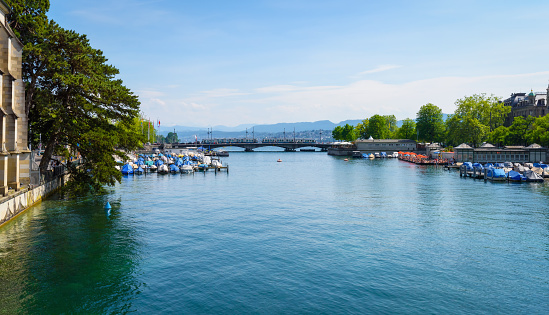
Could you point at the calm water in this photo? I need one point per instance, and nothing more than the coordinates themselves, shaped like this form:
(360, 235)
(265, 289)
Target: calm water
(313, 234)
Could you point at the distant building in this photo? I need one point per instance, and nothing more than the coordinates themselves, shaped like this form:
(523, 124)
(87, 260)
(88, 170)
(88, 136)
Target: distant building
(14, 153)
(532, 104)
(385, 145)
(487, 153)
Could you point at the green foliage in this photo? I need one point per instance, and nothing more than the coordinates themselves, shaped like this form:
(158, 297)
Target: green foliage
(346, 133)
(377, 127)
(487, 110)
(337, 133)
(498, 136)
(361, 129)
(407, 130)
(476, 120)
(79, 103)
(519, 130)
(465, 129)
(172, 138)
(146, 129)
(539, 132)
(429, 123)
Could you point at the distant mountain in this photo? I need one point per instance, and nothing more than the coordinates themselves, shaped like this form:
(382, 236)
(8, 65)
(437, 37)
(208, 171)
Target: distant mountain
(266, 129)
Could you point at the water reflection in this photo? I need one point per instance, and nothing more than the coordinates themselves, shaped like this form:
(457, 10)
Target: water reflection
(70, 258)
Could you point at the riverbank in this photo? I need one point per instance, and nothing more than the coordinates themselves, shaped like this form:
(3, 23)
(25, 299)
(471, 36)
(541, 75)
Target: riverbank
(16, 203)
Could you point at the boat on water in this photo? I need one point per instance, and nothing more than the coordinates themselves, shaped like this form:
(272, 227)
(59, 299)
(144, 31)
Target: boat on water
(216, 164)
(371, 156)
(153, 168)
(163, 169)
(515, 176)
(127, 169)
(186, 168)
(532, 176)
(496, 174)
(139, 170)
(174, 169)
(279, 160)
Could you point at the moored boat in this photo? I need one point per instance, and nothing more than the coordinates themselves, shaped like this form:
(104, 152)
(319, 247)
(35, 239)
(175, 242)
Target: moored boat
(163, 169)
(127, 169)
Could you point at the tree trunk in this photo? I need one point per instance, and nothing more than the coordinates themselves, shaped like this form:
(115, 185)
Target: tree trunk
(48, 152)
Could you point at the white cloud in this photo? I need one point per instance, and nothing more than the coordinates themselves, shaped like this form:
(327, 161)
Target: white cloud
(222, 93)
(357, 100)
(380, 68)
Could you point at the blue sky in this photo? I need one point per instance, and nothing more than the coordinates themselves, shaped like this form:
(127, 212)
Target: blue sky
(208, 63)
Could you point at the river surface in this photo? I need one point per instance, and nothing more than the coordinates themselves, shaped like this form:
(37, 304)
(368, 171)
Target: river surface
(311, 235)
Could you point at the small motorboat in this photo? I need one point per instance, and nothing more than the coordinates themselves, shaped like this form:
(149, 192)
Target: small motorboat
(139, 171)
(186, 168)
(127, 169)
(532, 176)
(279, 160)
(163, 169)
(174, 169)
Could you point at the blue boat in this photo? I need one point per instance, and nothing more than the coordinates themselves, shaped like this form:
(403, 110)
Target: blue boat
(468, 166)
(174, 169)
(127, 169)
(496, 174)
(139, 171)
(515, 176)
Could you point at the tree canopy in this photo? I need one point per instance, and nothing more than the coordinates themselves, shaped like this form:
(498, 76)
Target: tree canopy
(429, 123)
(72, 96)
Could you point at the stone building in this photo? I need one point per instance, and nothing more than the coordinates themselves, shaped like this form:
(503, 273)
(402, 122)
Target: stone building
(385, 145)
(14, 153)
(532, 104)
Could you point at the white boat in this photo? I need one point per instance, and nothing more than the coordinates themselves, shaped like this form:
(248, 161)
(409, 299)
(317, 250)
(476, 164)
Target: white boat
(163, 169)
(376, 154)
(216, 163)
(186, 169)
(153, 168)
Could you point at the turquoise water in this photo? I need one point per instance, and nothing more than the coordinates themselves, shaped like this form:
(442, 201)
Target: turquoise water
(313, 234)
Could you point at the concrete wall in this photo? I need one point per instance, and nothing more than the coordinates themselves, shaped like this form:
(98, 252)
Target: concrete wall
(15, 204)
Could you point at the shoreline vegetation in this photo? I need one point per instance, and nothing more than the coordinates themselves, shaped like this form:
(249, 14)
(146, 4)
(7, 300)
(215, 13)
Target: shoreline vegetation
(75, 103)
(477, 119)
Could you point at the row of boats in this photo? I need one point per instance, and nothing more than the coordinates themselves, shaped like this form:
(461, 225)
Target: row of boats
(169, 163)
(379, 155)
(515, 172)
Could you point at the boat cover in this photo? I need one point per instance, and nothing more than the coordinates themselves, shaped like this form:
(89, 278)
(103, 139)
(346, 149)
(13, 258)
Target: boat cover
(127, 169)
(516, 176)
(496, 172)
(532, 176)
(158, 162)
(174, 168)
